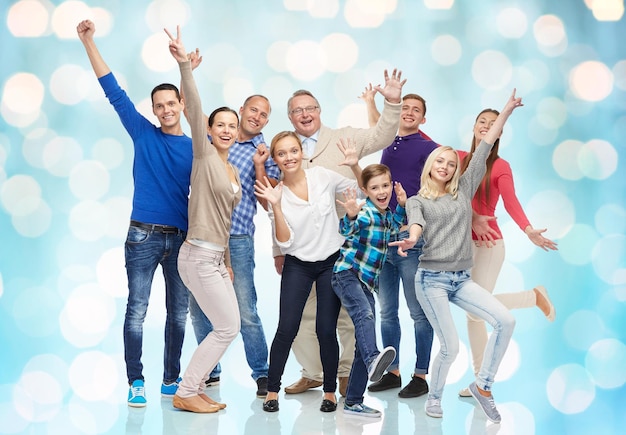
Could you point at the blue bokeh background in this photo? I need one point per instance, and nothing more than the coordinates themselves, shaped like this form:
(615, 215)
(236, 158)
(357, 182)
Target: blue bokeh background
(66, 185)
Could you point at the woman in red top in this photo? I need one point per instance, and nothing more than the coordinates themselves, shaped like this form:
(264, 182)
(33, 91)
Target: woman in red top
(488, 243)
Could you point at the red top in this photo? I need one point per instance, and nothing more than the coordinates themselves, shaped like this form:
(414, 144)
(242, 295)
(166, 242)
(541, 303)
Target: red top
(501, 185)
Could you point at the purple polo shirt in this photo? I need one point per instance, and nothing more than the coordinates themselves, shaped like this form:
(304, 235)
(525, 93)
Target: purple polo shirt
(406, 157)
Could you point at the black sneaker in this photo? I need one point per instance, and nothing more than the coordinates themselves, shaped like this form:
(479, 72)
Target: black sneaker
(417, 387)
(261, 385)
(388, 381)
(212, 382)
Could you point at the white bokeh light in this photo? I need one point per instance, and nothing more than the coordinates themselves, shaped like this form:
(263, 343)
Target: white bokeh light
(28, 18)
(439, 4)
(341, 52)
(22, 97)
(607, 10)
(236, 90)
(37, 396)
(111, 273)
(109, 152)
(68, 14)
(93, 376)
(569, 389)
(446, 50)
(574, 246)
(609, 259)
(368, 13)
(492, 70)
(583, 328)
(155, 54)
(598, 159)
(119, 209)
(554, 210)
(33, 319)
(61, 154)
(306, 60)
(323, 8)
(89, 179)
(512, 23)
(550, 35)
(89, 220)
(162, 14)
(605, 361)
(551, 112)
(565, 159)
(20, 194)
(619, 73)
(82, 327)
(70, 84)
(276, 55)
(591, 81)
(610, 219)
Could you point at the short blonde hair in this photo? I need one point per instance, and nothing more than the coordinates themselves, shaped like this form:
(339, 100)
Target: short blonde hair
(428, 188)
(279, 137)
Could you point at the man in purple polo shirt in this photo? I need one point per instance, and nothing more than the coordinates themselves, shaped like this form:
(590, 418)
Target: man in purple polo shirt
(405, 157)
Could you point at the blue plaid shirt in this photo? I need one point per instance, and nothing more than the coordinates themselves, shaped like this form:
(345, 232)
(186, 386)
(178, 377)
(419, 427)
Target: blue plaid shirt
(367, 237)
(240, 154)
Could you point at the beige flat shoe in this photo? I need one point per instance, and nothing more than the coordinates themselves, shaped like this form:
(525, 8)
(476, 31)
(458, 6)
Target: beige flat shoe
(542, 290)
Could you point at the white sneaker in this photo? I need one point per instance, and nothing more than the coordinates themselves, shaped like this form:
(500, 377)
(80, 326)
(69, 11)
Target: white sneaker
(433, 408)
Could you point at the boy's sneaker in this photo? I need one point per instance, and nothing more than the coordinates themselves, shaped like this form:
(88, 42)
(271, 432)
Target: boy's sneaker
(361, 410)
(417, 387)
(486, 404)
(137, 394)
(212, 381)
(381, 363)
(168, 390)
(433, 408)
(388, 381)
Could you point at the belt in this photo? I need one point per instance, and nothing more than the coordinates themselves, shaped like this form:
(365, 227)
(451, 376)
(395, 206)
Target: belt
(164, 229)
(399, 236)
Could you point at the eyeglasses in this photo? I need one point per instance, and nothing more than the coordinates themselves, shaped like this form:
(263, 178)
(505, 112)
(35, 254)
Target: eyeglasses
(308, 109)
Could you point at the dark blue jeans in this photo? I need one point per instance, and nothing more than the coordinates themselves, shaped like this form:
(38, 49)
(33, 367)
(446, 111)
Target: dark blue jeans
(297, 279)
(144, 251)
(398, 268)
(358, 301)
(241, 249)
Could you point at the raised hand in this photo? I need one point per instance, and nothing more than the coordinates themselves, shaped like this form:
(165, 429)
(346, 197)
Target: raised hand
(513, 103)
(400, 193)
(348, 148)
(404, 245)
(368, 94)
(195, 58)
(351, 205)
(85, 30)
(263, 189)
(393, 86)
(176, 46)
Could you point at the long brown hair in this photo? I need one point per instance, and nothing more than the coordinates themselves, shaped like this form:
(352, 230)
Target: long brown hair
(485, 184)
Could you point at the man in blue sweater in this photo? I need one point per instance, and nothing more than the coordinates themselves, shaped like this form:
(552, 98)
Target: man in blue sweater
(158, 225)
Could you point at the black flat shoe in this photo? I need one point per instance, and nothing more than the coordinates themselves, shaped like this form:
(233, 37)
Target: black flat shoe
(270, 405)
(328, 406)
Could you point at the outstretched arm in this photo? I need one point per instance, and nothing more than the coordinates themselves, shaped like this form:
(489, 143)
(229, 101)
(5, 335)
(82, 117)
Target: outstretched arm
(370, 104)
(196, 60)
(86, 30)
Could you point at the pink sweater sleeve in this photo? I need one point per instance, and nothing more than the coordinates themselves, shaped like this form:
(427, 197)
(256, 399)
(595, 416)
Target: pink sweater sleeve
(503, 177)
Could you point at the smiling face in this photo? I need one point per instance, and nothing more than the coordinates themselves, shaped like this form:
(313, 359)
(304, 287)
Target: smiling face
(223, 130)
(444, 167)
(254, 114)
(167, 108)
(411, 116)
(287, 153)
(378, 189)
(483, 123)
(307, 122)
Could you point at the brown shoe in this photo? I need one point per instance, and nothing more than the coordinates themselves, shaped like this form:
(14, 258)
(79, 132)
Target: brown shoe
(193, 404)
(302, 385)
(211, 401)
(343, 385)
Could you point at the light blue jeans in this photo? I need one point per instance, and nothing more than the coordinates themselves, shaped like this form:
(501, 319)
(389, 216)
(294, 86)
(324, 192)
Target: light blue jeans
(241, 249)
(434, 291)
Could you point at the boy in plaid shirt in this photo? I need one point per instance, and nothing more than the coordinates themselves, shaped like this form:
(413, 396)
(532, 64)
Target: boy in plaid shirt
(367, 227)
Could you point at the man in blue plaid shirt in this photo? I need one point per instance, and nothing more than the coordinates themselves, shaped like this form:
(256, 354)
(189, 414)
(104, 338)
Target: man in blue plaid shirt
(251, 157)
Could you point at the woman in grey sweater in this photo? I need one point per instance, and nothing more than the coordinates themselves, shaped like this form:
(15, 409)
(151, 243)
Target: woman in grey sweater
(442, 212)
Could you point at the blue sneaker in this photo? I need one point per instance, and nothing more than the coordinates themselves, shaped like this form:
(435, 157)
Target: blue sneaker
(137, 394)
(361, 410)
(168, 390)
(486, 403)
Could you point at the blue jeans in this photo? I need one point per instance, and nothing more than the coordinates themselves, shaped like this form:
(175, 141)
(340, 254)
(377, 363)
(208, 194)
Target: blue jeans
(144, 251)
(435, 290)
(242, 262)
(358, 301)
(398, 268)
(295, 286)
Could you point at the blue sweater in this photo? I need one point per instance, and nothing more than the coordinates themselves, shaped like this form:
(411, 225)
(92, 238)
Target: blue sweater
(161, 166)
